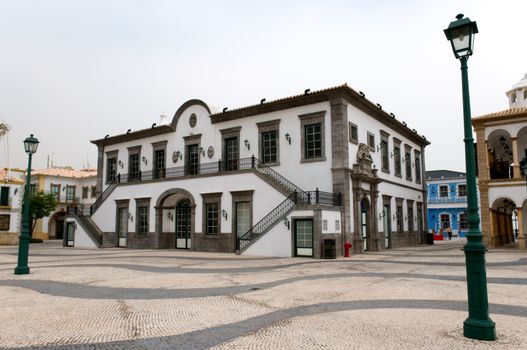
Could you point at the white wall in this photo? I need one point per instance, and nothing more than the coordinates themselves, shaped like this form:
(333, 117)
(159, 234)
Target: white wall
(265, 198)
(81, 238)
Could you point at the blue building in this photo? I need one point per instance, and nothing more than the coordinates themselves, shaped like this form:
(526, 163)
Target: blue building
(447, 201)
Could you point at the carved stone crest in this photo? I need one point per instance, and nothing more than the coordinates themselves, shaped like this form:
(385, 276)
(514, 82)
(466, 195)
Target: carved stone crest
(363, 154)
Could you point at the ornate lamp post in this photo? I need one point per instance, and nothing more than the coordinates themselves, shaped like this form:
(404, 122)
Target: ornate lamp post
(478, 325)
(30, 146)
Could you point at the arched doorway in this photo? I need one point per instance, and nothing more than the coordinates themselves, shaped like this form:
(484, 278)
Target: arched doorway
(364, 223)
(175, 212)
(56, 225)
(183, 224)
(501, 221)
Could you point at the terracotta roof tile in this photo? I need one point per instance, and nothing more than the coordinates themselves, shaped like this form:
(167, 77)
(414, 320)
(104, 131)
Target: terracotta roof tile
(66, 172)
(506, 114)
(12, 179)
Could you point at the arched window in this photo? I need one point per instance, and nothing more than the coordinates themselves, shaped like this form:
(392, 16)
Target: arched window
(525, 94)
(513, 97)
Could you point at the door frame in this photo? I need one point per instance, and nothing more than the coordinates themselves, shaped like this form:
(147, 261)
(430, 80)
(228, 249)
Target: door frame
(188, 209)
(295, 247)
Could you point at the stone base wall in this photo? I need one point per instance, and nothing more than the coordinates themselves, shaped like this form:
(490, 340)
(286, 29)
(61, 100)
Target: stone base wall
(318, 244)
(39, 234)
(404, 239)
(140, 241)
(9, 238)
(222, 243)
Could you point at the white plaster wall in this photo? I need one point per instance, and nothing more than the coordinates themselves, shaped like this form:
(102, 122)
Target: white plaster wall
(16, 206)
(331, 217)
(290, 155)
(514, 193)
(401, 192)
(81, 238)
(367, 124)
(265, 198)
(512, 128)
(276, 242)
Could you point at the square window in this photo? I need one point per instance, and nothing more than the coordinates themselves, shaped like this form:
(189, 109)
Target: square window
(462, 190)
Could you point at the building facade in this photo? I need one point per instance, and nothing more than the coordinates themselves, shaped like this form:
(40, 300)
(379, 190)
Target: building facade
(447, 202)
(72, 188)
(501, 155)
(289, 177)
(11, 192)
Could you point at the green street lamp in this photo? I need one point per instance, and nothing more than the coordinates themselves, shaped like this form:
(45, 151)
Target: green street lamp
(478, 325)
(30, 146)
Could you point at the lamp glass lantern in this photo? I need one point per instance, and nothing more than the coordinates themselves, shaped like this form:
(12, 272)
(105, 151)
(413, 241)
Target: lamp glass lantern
(460, 33)
(31, 144)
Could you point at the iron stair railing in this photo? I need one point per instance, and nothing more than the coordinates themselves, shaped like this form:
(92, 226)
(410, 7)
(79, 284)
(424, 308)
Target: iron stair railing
(266, 223)
(105, 194)
(91, 228)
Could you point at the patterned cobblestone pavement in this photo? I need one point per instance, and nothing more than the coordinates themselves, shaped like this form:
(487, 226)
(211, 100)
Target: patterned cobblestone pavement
(411, 298)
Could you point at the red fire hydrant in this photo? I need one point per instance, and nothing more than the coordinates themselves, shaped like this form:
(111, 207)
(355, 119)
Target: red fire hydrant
(347, 247)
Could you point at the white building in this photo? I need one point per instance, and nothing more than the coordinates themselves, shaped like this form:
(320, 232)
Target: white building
(278, 178)
(72, 188)
(11, 191)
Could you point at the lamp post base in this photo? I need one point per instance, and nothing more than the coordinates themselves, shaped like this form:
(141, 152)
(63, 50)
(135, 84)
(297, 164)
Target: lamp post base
(22, 270)
(479, 329)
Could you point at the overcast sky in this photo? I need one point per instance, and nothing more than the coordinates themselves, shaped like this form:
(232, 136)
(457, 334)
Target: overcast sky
(74, 71)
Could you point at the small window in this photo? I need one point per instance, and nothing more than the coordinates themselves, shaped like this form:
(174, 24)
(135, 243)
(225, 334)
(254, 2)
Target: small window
(55, 190)
(463, 221)
(324, 225)
(371, 141)
(525, 94)
(85, 190)
(397, 159)
(399, 218)
(410, 218)
(408, 163)
(269, 147)
(462, 190)
(513, 97)
(111, 169)
(353, 132)
(213, 227)
(4, 196)
(93, 191)
(443, 191)
(445, 221)
(417, 167)
(5, 222)
(384, 156)
(142, 220)
(70, 193)
(337, 225)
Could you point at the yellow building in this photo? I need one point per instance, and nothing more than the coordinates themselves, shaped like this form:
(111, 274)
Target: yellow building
(501, 156)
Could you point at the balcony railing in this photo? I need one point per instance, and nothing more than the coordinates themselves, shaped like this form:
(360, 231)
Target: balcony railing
(190, 170)
(500, 170)
(440, 200)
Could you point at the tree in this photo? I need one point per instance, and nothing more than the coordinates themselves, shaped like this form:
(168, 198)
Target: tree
(40, 205)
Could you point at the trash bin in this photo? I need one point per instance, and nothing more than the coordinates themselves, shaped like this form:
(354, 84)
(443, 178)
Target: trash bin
(429, 238)
(330, 249)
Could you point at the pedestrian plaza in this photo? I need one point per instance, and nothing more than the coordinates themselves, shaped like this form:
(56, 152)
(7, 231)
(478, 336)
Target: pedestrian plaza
(407, 298)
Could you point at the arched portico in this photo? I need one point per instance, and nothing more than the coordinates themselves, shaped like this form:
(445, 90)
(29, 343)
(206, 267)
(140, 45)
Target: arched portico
(56, 225)
(173, 205)
(502, 226)
(500, 154)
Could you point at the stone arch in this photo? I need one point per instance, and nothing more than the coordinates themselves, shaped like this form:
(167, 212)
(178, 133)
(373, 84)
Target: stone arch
(501, 220)
(165, 239)
(54, 220)
(184, 107)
